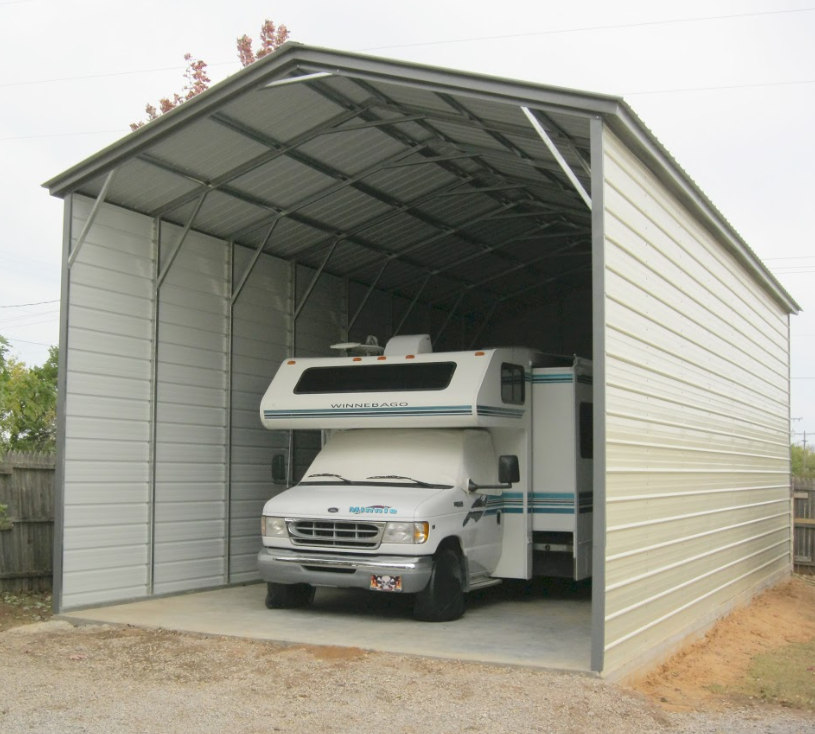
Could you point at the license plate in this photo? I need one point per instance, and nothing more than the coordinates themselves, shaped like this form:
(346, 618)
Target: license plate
(386, 583)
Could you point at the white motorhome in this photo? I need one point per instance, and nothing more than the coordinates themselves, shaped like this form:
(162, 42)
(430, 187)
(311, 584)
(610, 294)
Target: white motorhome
(440, 473)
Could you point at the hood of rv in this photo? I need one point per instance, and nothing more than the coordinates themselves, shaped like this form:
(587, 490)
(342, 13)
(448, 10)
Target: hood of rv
(347, 501)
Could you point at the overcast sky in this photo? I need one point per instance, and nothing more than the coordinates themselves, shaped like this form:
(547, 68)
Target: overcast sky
(728, 86)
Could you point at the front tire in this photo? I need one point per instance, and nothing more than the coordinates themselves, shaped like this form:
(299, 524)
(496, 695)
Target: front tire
(442, 600)
(288, 596)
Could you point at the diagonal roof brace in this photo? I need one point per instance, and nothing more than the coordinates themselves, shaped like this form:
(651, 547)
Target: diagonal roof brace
(558, 157)
(91, 217)
(295, 79)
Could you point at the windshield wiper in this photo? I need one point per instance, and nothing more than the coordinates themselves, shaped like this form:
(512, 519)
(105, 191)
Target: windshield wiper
(333, 476)
(417, 482)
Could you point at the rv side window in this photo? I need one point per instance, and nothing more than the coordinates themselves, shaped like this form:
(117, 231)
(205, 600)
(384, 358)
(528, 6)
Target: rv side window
(512, 384)
(586, 429)
(376, 378)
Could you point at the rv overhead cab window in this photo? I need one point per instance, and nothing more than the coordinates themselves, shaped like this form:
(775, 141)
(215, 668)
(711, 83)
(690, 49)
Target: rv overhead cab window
(376, 378)
(512, 384)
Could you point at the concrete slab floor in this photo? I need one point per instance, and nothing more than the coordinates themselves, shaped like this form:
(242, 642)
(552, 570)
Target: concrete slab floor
(544, 623)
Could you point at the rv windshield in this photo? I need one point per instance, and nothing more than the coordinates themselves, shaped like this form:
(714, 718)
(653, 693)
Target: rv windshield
(376, 378)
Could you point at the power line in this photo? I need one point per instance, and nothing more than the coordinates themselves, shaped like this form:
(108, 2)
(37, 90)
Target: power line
(25, 341)
(108, 74)
(23, 305)
(715, 89)
(120, 130)
(583, 29)
(616, 26)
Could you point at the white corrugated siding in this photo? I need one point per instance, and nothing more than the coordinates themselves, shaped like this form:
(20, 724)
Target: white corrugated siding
(261, 340)
(190, 492)
(107, 408)
(697, 396)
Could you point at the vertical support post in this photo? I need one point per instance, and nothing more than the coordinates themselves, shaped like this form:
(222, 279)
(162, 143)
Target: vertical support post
(598, 262)
(91, 218)
(62, 400)
(292, 352)
(160, 274)
(151, 530)
(231, 298)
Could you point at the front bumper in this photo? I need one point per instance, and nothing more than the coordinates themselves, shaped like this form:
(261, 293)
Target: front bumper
(354, 571)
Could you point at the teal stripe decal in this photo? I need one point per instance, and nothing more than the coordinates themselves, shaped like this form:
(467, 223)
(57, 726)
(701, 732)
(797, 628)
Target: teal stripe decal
(441, 410)
(494, 411)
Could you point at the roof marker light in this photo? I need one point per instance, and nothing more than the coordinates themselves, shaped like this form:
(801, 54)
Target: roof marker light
(410, 356)
(479, 354)
(357, 359)
(291, 361)
(381, 358)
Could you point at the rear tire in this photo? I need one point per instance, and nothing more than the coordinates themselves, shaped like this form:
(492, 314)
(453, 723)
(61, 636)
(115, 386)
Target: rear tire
(288, 596)
(442, 600)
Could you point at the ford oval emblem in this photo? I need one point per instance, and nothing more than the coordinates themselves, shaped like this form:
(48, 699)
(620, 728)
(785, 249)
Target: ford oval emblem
(333, 509)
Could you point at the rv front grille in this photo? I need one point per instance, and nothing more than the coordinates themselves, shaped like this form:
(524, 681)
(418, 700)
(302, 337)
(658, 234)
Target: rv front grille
(347, 534)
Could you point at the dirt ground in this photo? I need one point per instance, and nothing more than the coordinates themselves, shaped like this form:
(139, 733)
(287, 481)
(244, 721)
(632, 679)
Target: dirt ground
(707, 674)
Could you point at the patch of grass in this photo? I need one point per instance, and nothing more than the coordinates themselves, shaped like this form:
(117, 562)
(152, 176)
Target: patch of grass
(785, 676)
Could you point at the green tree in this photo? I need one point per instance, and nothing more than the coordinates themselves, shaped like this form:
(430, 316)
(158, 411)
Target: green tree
(28, 402)
(803, 462)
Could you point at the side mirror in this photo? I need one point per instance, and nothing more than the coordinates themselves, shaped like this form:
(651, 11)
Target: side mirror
(279, 473)
(508, 470)
(509, 473)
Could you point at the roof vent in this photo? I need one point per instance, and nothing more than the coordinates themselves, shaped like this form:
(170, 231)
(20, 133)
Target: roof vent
(370, 347)
(409, 344)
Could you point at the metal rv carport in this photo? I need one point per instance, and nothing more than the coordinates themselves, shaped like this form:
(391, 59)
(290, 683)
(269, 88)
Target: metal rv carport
(318, 196)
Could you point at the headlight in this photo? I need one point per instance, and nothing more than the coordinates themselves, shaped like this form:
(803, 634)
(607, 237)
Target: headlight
(274, 527)
(405, 532)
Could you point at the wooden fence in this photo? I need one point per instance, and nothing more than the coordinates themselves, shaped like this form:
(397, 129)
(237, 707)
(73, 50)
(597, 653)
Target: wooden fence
(804, 549)
(27, 523)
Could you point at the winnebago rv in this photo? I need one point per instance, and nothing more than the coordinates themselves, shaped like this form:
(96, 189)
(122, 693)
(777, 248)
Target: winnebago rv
(440, 473)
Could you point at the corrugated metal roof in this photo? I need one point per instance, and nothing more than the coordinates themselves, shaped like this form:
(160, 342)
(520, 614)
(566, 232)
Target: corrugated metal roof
(397, 160)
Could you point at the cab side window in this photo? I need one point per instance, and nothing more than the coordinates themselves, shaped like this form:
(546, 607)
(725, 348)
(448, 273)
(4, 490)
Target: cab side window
(512, 384)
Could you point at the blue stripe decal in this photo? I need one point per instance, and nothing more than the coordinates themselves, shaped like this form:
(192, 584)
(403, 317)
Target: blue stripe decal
(494, 411)
(443, 410)
(564, 377)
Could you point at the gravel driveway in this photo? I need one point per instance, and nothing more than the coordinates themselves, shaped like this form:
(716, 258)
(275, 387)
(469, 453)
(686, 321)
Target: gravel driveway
(101, 679)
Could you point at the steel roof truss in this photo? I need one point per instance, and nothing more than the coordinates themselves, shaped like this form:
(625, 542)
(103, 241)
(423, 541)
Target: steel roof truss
(174, 254)
(558, 157)
(449, 316)
(368, 293)
(254, 163)
(314, 280)
(91, 217)
(258, 251)
(413, 303)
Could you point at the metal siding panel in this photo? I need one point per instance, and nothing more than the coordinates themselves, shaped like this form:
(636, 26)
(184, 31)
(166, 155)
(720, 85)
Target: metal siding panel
(107, 406)
(697, 396)
(261, 340)
(191, 413)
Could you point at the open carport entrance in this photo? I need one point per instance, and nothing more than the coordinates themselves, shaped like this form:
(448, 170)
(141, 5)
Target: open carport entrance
(315, 198)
